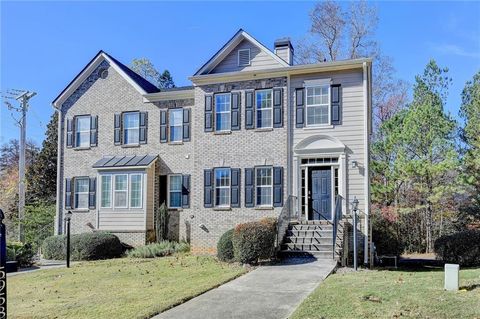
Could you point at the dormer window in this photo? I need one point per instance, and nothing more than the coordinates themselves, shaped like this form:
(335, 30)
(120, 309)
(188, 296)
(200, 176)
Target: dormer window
(244, 57)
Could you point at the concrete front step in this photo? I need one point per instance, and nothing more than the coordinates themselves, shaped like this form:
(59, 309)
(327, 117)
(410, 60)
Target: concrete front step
(311, 227)
(308, 247)
(312, 222)
(306, 254)
(309, 240)
(310, 233)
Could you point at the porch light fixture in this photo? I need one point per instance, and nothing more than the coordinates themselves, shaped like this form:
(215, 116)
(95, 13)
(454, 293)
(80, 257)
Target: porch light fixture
(355, 209)
(355, 204)
(354, 164)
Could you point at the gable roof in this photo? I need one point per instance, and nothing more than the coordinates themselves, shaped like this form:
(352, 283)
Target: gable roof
(229, 46)
(139, 83)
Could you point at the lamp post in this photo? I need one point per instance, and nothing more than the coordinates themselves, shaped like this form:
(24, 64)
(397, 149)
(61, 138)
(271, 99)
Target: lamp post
(68, 217)
(355, 209)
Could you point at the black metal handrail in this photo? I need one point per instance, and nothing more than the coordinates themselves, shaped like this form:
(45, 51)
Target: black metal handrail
(337, 217)
(284, 219)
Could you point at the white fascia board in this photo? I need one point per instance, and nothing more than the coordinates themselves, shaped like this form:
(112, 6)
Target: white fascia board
(280, 71)
(169, 96)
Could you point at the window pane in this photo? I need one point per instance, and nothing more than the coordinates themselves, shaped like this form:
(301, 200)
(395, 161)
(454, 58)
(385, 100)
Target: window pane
(222, 177)
(264, 196)
(120, 182)
(83, 123)
(131, 122)
(264, 186)
(176, 117)
(264, 176)
(222, 187)
(176, 133)
(175, 189)
(81, 185)
(264, 99)
(222, 197)
(81, 200)
(81, 192)
(106, 191)
(222, 111)
(82, 136)
(264, 118)
(175, 183)
(121, 199)
(175, 199)
(136, 190)
(317, 115)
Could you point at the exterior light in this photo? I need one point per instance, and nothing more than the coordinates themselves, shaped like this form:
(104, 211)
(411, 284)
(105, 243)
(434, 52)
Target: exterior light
(355, 204)
(354, 164)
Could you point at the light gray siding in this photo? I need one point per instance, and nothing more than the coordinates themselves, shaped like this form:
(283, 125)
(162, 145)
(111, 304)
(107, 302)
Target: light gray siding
(351, 132)
(259, 60)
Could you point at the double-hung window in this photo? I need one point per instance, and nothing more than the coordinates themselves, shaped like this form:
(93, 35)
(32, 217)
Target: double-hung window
(264, 108)
(222, 112)
(135, 190)
(81, 192)
(175, 191)
(106, 191)
(120, 191)
(264, 186)
(222, 187)
(82, 138)
(131, 128)
(318, 106)
(176, 125)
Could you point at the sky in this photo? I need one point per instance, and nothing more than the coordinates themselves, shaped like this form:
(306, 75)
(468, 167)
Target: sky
(45, 44)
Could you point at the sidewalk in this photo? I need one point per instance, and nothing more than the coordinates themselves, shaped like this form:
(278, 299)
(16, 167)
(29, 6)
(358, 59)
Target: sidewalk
(267, 292)
(40, 265)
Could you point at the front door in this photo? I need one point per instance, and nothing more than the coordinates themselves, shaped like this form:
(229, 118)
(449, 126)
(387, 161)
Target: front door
(320, 193)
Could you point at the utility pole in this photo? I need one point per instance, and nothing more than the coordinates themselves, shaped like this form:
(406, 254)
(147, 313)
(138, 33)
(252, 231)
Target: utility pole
(23, 98)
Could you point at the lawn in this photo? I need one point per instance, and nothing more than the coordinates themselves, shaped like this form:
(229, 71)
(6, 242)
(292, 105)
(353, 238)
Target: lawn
(115, 288)
(393, 294)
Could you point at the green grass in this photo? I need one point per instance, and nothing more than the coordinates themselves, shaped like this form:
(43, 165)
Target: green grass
(393, 294)
(115, 288)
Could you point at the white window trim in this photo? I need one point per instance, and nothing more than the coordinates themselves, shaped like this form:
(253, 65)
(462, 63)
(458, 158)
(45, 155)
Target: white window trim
(170, 126)
(168, 190)
(249, 57)
(75, 204)
(115, 191)
(224, 112)
(110, 193)
(130, 189)
(270, 108)
(85, 131)
(328, 124)
(229, 187)
(264, 186)
(131, 128)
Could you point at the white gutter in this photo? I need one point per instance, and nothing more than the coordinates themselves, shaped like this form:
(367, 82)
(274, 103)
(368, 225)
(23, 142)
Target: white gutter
(169, 95)
(59, 172)
(366, 159)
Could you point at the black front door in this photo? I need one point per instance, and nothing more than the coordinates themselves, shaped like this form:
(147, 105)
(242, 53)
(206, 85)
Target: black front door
(320, 193)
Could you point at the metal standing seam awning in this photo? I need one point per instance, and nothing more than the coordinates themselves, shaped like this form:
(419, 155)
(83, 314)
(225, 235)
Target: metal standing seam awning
(121, 162)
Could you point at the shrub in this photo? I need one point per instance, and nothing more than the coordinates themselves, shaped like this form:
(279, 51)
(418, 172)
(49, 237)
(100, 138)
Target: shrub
(161, 249)
(22, 253)
(461, 248)
(254, 240)
(225, 246)
(86, 246)
(386, 236)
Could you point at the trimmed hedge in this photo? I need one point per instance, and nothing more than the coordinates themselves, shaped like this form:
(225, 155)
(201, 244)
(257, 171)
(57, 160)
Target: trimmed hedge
(86, 246)
(22, 253)
(161, 249)
(461, 248)
(255, 240)
(225, 246)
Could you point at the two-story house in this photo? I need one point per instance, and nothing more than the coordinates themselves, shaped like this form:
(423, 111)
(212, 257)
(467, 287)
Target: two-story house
(254, 136)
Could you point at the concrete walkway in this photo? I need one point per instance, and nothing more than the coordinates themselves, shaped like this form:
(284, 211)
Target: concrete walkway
(267, 292)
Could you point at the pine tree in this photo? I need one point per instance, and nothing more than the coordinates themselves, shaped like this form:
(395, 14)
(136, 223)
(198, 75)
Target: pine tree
(42, 174)
(165, 80)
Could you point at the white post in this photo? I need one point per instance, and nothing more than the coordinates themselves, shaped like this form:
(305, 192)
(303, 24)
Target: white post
(451, 276)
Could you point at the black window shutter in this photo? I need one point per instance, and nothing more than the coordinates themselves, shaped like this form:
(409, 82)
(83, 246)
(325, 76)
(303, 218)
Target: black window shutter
(235, 187)
(118, 129)
(143, 128)
(249, 111)
(336, 104)
(300, 107)
(92, 198)
(235, 111)
(93, 130)
(162, 194)
(186, 125)
(277, 186)
(277, 107)
(208, 188)
(163, 126)
(249, 187)
(186, 191)
(208, 113)
(68, 193)
(70, 132)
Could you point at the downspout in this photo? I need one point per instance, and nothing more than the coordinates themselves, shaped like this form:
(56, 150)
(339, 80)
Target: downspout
(288, 122)
(58, 218)
(366, 159)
